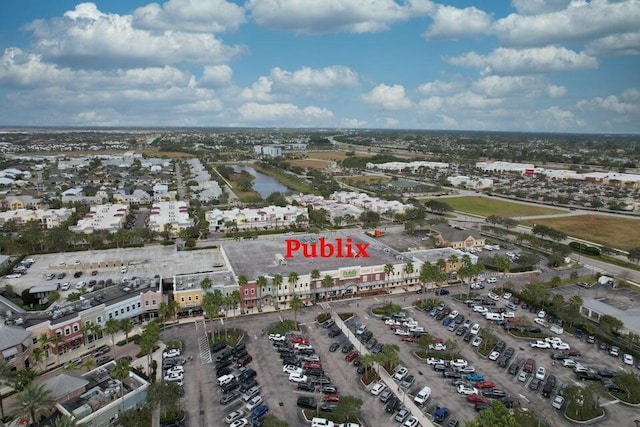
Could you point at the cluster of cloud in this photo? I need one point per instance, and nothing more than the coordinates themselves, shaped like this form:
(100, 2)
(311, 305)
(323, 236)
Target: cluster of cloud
(170, 60)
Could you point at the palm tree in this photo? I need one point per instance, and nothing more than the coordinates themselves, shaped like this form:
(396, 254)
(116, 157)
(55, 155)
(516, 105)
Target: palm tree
(206, 284)
(292, 280)
(89, 363)
(315, 275)
(44, 341)
(126, 326)
(33, 403)
(121, 372)
(163, 311)
(163, 395)
(112, 326)
(65, 421)
(96, 331)
(38, 355)
(261, 282)
(408, 269)
(388, 270)
(389, 357)
(56, 340)
(368, 361)
(173, 307)
(7, 377)
(296, 304)
(147, 345)
(235, 300)
(327, 283)
(277, 282)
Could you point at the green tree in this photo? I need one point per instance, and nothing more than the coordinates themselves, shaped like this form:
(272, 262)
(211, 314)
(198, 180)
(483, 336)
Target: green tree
(315, 276)
(408, 269)
(112, 327)
(613, 323)
(24, 377)
(327, 284)
(121, 372)
(126, 326)
(261, 283)
(33, 403)
(206, 284)
(296, 304)
(389, 357)
(370, 219)
(277, 283)
(88, 363)
(634, 255)
(292, 280)
(163, 395)
(37, 354)
(211, 303)
(7, 377)
(388, 271)
(496, 416)
(65, 422)
(163, 311)
(368, 361)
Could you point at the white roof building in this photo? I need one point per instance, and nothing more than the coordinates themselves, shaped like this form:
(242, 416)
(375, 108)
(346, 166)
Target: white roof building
(468, 182)
(398, 166)
(504, 166)
(109, 217)
(174, 213)
(253, 219)
(49, 218)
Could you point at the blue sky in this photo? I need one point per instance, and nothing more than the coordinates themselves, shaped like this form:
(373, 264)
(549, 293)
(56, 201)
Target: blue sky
(523, 65)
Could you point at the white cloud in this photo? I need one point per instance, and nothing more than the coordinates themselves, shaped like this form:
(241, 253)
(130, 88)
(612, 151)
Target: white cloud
(580, 21)
(560, 119)
(615, 44)
(631, 94)
(259, 91)
(216, 76)
(328, 16)
(525, 61)
(391, 122)
(284, 113)
(87, 38)
(536, 7)
(310, 78)
(390, 98)
(452, 23)
(204, 16)
(438, 87)
(353, 123)
(610, 103)
(520, 86)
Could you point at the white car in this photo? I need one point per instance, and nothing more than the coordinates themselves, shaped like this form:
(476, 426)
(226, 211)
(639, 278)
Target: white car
(299, 346)
(480, 309)
(277, 337)
(81, 284)
(541, 322)
(172, 352)
(580, 368)
(506, 295)
(558, 401)
(416, 329)
(458, 363)
(411, 422)
(508, 315)
(467, 369)
(492, 280)
(291, 369)
(494, 355)
(65, 286)
(627, 359)
(474, 329)
(539, 344)
(541, 373)
(348, 425)
(378, 388)
(253, 403)
(175, 370)
(560, 346)
(402, 333)
(242, 422)
(437, 346)
(321, 422)
(553, 340)
(542, 314)
(390, 322)
(233, 416)
(492, 295)
(401, 372)
(466, 390)
(178, 376)
(476, 341)
(453, 314)
(297, 378)
(569, 363)
(13, 276)
(435, 361)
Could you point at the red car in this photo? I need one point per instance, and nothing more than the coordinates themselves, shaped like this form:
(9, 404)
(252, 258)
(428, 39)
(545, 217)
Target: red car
(94, 273)
(299, 339)
(476, 398)
(409, 339)
(394, 327)
(446, 311)
(513, 319)
(331, 398)
(573, 353)
(350, 356)
(437, 340)
(485, 384)
(312, 365)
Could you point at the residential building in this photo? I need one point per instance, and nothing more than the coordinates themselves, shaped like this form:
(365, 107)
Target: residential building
(15, 346)
(109, 217)
(268, 150)
(256, 219)
(455, 237)
(48, 219)
(13, 203)
(172, 214)
(188, 292)
(413, 166)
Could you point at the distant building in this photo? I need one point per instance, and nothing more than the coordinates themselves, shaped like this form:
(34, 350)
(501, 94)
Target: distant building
(505, 166)
(48, 219)
(413, 166)
(470, 182)
(173, 214)
(255, 219)
(268, 150)
(109, 217)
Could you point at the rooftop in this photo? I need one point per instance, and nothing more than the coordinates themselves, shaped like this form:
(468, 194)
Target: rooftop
(265, 256)
(630, 317)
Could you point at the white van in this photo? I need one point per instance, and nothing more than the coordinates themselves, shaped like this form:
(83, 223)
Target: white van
(225, 379)
(422, 396)
(557, 329)
(475, 329)
(494, 316)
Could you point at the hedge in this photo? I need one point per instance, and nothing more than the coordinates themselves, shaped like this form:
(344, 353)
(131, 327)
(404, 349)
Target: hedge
(585, 249)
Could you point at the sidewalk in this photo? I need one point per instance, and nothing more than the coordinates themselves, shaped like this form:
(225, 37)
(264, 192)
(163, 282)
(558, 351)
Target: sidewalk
(385, 377)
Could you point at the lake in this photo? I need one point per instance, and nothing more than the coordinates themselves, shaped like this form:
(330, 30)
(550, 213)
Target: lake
(263, 184)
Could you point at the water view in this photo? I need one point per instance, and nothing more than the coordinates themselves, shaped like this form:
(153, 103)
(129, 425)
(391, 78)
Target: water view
(263, 184)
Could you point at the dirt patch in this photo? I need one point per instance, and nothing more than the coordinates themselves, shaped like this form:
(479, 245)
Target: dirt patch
(311, 163)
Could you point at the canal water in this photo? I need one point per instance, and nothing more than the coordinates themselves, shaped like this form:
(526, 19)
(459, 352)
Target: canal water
(263, 184)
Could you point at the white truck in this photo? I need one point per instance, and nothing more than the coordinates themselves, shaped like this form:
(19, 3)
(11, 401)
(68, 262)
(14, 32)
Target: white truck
(605, 280)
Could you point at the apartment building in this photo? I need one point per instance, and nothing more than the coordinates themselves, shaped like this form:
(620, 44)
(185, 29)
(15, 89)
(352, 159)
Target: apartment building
(256, 219)
(174, 214)
(109, 217)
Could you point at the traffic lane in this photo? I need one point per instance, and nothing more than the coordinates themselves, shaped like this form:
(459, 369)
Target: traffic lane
(342, 373)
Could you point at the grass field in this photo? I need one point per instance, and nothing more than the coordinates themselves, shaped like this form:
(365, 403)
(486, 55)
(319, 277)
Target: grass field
(622, 233)
(311, 163)
(367, 179)
(329, 155)
(485, 206)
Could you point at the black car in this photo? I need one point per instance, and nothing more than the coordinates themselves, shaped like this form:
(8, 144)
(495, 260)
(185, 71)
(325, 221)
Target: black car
(588, 376)
(248, 384)
(503, 361)
(500, 346)
(459, 319)
(240, 354)
(461, 331)
(534, 384)
(452, 374)
(218, 347)
(551, 379)
(377, 348)
(494, 393)
(611, 386)
(606, 373)
(237, 349)
(509, 402)
(328, 406)
(316, 372)
(334, 333)
(230, 386)
(393, 405)
(334, 347)
(361, 369)
(480, 406)
(249, 373)
(223, 371)
(547, 389)
(347, 348)
(291, 361)
(306, 386)
(468, 337)
(306, 402)
(559, 356)
(223, 364)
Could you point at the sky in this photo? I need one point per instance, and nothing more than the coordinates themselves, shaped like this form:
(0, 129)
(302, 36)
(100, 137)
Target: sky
(519, 65)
